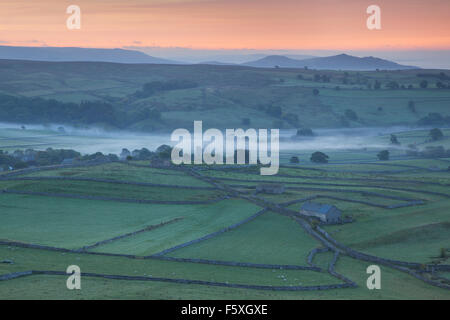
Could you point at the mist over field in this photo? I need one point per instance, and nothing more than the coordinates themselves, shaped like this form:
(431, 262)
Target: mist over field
(92, 139)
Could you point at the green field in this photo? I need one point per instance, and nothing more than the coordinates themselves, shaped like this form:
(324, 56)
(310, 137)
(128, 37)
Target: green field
(415, 233)
(225, 95)
(206, 227)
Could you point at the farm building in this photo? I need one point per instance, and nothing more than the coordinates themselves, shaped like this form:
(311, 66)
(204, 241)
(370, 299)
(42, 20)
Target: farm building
(271, 188)
(325, 212)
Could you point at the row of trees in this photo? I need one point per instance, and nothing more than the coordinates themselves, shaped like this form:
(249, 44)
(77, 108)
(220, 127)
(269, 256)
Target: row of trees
(38, 110)
(22, 159)
(317, 157)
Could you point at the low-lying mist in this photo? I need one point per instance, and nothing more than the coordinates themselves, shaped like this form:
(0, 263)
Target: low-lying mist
(91, 140)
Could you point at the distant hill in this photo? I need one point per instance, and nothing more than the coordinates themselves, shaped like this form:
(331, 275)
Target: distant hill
(162, 97)
(69, 54)
(217, 63)
(272, 61)
(338, 62)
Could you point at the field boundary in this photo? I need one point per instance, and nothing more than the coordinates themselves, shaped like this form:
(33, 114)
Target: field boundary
(180, 281)
(141, 184)
(102, 198)
(130, 234)
(211, 235)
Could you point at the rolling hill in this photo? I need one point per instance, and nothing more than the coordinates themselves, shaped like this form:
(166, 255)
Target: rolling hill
(79, 54)
(222, 96)
(338, 62)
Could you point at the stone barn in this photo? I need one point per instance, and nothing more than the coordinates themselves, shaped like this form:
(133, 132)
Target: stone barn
(270, 188)
(325, 212)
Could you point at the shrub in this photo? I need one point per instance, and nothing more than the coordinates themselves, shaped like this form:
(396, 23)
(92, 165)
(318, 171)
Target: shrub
(394, 140)
(319, 157)
(436, 134)
(383, 155)
(424, 84)
(351, 115)
(307, 132)
(294, 159)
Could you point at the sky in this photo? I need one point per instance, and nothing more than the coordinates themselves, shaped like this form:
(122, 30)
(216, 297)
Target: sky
(319, 25)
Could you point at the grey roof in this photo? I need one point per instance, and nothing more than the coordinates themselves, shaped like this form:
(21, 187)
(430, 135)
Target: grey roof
(317, 207)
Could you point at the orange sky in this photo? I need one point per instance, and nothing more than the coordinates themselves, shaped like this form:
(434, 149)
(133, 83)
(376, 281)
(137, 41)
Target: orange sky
(228, 24)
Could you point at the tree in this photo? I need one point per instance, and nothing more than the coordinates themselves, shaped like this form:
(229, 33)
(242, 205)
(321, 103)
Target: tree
(393, 85)
(305, 132)
(316, 92)
(294, 159)
(394, 139)
(412, 106)
(319, 157)
(383, 155)
(440, 85)
(164, 151)
(436, 134)
(434, 119)
(351, 115)
(246, 121)
(377, 85)
(424, 84)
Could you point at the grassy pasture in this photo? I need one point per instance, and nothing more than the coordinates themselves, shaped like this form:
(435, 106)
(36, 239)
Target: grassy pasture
(73, 223)
(102, 189)
(411, 234)
(270, 238)
(395, 285)
(124, 172)
(27, 259)
(197, 222)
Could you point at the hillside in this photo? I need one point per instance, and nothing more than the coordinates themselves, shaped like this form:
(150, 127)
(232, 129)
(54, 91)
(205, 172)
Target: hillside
(78, 54)
(338, 62)
(221, 96)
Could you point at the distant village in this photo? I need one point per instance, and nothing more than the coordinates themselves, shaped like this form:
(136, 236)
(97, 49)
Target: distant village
(29, 158)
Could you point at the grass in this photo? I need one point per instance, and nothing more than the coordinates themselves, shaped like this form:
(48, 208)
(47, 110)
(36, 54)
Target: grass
(270, 238)
(395, 284)
(102, 189)
(411, 234)
(73, 223)
(227, 94)
(27, 259)
(124, 172)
